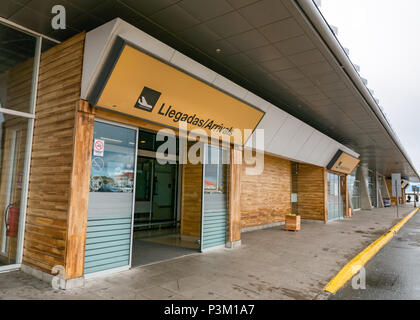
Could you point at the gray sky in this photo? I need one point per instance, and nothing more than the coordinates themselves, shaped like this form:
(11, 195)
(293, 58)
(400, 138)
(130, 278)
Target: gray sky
(383, 38)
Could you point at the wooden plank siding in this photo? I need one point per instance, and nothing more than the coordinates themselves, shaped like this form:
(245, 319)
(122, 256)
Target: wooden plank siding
(312, 192)
(266, 198)
(192, 182)
(234, 184)
(47, 222)
(79, 190)
(394, 199)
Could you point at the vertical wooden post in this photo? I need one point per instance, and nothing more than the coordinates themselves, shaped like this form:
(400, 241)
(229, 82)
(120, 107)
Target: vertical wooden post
(235, 170)
(79, 190)
(346, 198)
(325, 195)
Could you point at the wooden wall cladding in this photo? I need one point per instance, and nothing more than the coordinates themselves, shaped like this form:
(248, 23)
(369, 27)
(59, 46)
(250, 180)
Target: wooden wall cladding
(52, 155)
(234, 200)
(266, 198)
(312, 183)
(79, 191)
(394, 199)
(192, 180)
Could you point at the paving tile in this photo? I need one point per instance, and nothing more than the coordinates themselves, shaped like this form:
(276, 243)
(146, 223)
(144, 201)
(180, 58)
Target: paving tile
(271, 264)
(161, 294)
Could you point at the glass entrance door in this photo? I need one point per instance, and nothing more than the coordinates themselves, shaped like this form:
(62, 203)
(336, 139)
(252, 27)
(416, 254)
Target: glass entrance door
(155, 194)
(111, 198)
(214, 204)
(11, 187)
(336, 197)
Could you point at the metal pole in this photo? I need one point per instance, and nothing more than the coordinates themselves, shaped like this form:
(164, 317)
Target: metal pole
(398, 198)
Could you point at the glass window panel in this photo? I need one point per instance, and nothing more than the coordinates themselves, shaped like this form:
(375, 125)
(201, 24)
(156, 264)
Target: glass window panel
(17, 51)
(13, 137)
(215, 170)
(113, 170)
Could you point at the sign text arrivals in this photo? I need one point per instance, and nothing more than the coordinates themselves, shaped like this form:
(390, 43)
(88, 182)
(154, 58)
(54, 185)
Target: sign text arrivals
(176, 116)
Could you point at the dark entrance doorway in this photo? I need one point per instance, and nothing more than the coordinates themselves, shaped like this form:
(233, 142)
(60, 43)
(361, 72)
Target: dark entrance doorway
(157, 221)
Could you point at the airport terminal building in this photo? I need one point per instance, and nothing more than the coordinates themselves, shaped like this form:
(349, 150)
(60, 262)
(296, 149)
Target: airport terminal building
(260, 92)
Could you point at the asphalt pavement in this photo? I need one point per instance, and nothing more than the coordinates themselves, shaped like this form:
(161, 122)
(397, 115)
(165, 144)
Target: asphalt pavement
(394, 273)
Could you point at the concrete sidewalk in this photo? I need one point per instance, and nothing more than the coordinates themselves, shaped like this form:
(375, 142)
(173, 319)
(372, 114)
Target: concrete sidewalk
(271, 264)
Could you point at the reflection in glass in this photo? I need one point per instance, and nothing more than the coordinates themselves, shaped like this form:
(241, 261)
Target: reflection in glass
(13, 134)
(353, 182)
(112, 169)
(214, 201)
(17, 51)
(372, 187)
(335, 196)
(215, 172)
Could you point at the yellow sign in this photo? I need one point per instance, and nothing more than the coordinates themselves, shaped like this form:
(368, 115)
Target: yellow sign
(144, 87)
(343, 163)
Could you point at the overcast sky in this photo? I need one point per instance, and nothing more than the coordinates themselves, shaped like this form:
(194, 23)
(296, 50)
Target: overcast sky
(384, 40)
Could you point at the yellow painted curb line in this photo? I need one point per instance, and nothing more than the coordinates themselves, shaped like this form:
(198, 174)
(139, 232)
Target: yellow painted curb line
(354, 266)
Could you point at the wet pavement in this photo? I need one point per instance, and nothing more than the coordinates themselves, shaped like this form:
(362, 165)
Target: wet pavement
(394, 273)
(271, 264)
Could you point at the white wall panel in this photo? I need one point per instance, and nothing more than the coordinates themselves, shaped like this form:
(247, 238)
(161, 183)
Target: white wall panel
(328, 154)
(284, 134)
(258, 102)
(145, 41)
(309, 147)
(226, 85)
(281, 142)
(272, 121)
(182, 61)
(298, 141)
(96, 43)
(317, 153)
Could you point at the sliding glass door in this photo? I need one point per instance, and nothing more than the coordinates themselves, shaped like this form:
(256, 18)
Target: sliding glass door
(156, 194)
(215, 195)
(336, 196)
(111, 198)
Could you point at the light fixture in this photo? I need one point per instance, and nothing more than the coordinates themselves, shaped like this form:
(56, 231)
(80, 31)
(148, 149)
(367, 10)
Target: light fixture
(218, 50)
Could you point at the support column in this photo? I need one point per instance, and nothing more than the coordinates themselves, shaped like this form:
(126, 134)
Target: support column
(364, 190)
(379, 192)
(325, 191)
(235, 171)
(347, 198)
(79, 191)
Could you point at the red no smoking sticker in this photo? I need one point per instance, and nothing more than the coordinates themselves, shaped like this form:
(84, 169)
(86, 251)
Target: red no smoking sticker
(98, 148)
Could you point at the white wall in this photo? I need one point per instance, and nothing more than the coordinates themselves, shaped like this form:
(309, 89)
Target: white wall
(285, 135)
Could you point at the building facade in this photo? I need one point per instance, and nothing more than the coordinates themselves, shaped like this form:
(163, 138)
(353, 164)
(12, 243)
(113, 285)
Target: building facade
(86, 190)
